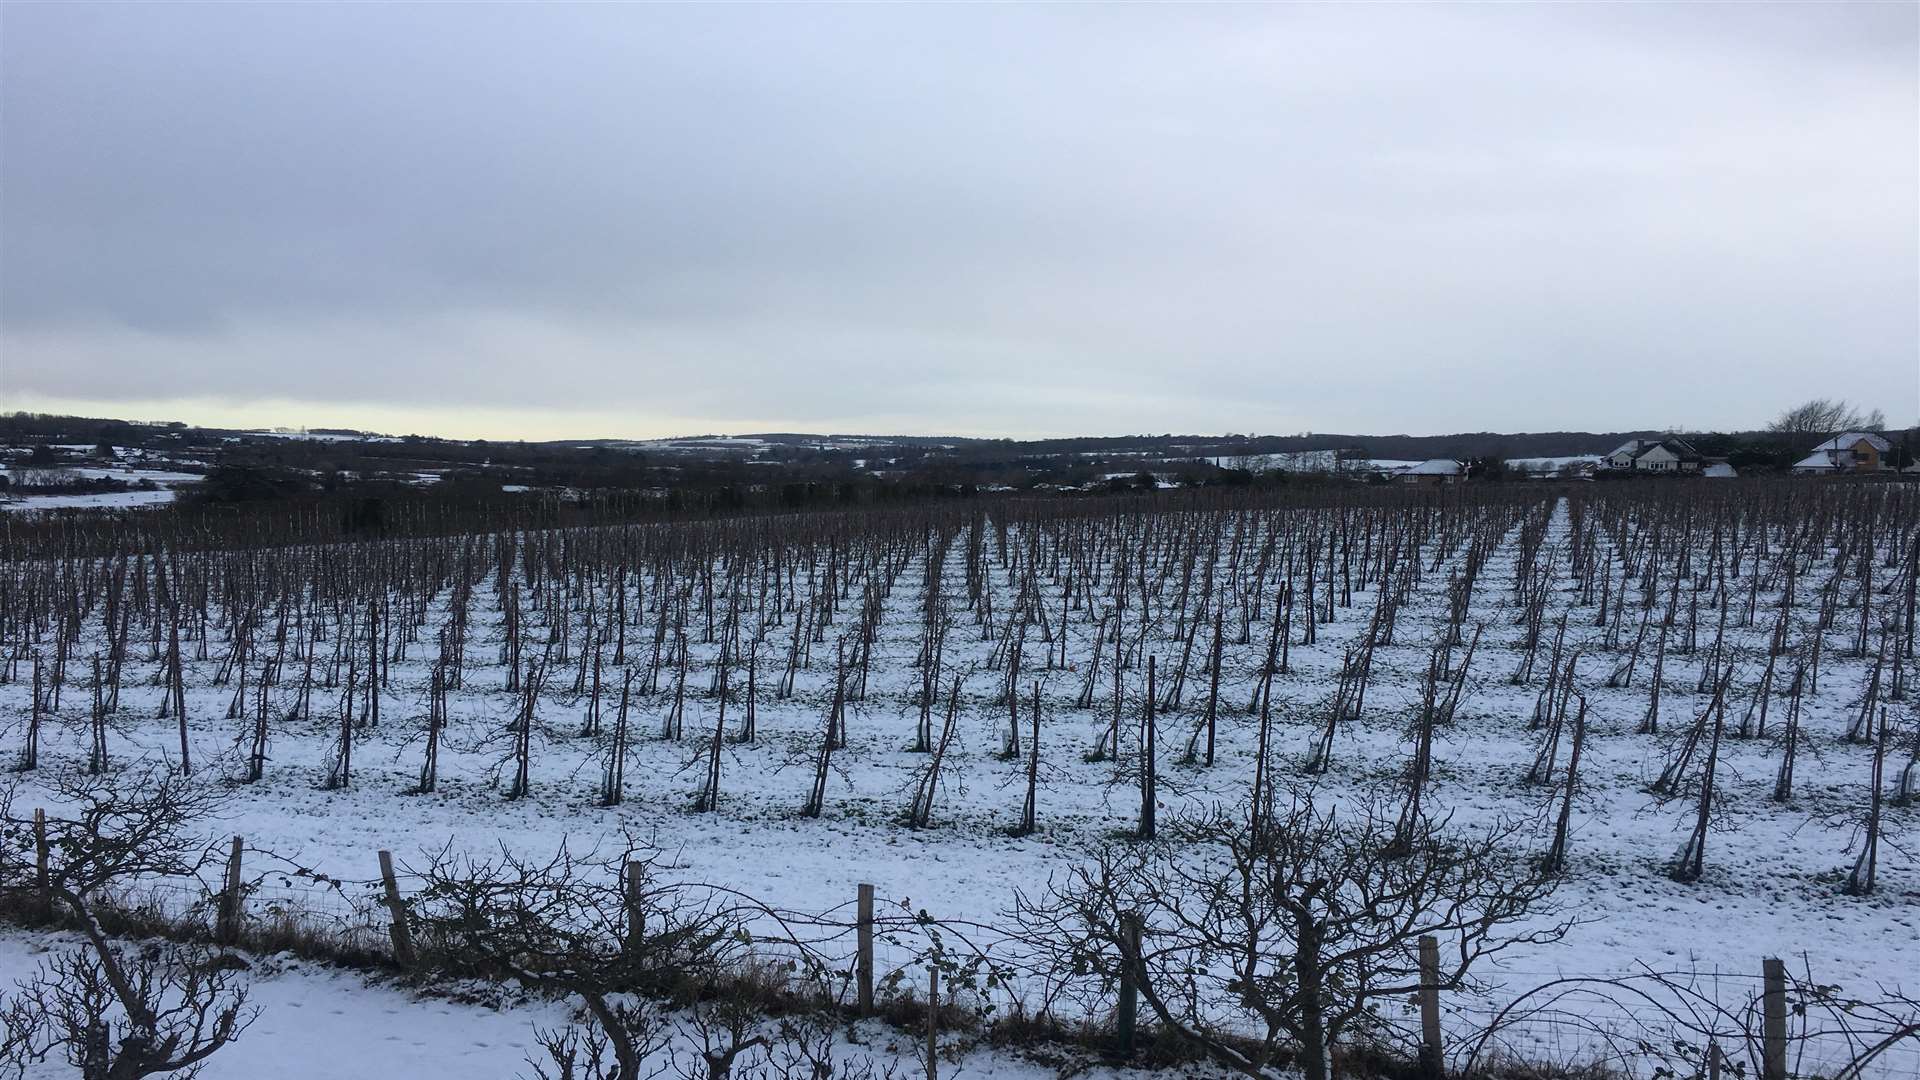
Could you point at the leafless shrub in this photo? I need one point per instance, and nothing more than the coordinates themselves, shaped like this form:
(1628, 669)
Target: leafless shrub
(1268, 939)
(117, 1011)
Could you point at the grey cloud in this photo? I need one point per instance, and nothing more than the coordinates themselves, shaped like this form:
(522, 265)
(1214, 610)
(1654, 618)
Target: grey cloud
(967, 218)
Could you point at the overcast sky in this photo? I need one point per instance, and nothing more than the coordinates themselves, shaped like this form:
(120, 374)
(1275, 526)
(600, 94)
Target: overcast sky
(550, 221)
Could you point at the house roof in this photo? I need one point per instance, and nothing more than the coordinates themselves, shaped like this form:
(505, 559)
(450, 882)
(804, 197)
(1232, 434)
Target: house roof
(1436, 467)
(1819, 459)
(1638, 448)
(1848, 440)
(1719, 469)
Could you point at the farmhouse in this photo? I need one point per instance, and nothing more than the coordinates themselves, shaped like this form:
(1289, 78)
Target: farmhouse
(1434, 471)
(1664, 456)
(1853, 452)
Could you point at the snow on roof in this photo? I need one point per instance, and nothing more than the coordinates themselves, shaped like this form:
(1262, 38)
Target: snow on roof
(1436, 467)
(1819, 459)
(1848, 440)
(1679, 448)
(1719, 469)
(1636, 448)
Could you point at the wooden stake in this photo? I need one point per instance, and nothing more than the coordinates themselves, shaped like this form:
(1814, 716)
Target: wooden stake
(636, 912)
(933, 1023)
(1129, 1009)
(397, 913)
(43, 878)
(1430, 1066)
(227, 930)
(1774, 1020)
(864, 964)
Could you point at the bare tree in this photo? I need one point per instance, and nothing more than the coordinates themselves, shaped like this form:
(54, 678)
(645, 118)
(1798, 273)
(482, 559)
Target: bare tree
(1826, 416)
(1291, 929)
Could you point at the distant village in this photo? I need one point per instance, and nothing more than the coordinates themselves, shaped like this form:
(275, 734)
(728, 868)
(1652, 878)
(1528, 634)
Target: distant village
(1850, 454)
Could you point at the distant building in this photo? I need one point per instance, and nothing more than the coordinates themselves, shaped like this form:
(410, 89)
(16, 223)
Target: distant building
(1720, 470)
(1853, 452)
(1659, 456)
(1434, 471)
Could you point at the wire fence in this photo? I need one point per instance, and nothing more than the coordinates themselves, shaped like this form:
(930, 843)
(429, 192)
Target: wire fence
(1637, 1022)
(1647, 1022)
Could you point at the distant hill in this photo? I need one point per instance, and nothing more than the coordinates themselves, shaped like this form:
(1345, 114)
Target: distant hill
(1404, 447)
(27, 427)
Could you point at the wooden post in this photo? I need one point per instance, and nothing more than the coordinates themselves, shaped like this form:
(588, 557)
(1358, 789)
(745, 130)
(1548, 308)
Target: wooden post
(933, 1024)
(1713, 1061)
(1129, 1010)
(397, 913)
(631, 891)
(227, 928)
(1774, 1020)
(43, 876)
(1430, 1062)
(863, 970)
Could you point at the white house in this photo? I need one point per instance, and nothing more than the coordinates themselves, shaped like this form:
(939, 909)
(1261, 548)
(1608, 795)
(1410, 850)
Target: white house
(1662, 456)
(1434, 471)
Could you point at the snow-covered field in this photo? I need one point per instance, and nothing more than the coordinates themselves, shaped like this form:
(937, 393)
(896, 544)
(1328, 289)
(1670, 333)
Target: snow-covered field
(102, 500)
(314, 1022)
(1774, 871)
(163, 490)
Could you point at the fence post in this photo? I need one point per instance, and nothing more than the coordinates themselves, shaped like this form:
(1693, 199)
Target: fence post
(1129, 1010)
(636, 909)
(43, 877)
(227, 928)
(863, 964)
(1430, 1063)
(1774, 1021)
(397, 913)
(933, 1023)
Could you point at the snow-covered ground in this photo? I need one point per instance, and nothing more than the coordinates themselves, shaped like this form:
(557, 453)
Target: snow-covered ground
(164, 484)
(316, 1022)
(1773, 871)
(105, 500)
